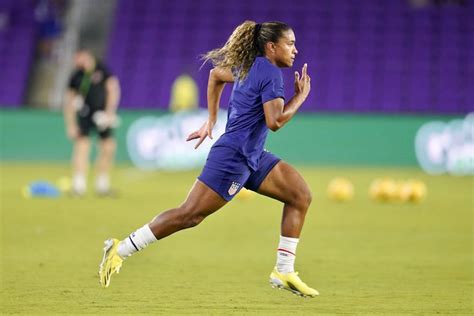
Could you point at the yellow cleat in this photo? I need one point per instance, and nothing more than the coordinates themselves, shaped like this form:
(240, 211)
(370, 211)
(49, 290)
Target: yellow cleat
(291, 282)
(111, 262)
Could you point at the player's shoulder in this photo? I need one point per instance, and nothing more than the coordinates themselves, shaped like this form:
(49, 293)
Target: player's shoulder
(263, 63)
(264, 72)
(101, 73)
(265, 68)
(101, 67)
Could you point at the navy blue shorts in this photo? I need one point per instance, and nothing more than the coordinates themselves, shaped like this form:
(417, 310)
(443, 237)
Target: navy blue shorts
(226, 171)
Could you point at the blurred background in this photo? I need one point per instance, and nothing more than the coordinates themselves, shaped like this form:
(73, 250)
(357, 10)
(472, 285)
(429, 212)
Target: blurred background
(380, 69)
(385, 141)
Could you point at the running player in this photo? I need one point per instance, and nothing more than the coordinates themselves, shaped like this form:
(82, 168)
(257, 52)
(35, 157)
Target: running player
(251, 59)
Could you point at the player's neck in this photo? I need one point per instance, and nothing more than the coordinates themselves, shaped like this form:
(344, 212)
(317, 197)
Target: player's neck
(271, 60)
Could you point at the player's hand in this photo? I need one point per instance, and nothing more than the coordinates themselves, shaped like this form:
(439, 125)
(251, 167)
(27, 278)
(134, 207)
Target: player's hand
(72, 132)
(303, 83)
(202, 133)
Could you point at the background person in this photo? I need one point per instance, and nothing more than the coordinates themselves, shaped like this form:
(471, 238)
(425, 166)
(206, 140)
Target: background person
(91, 105)
(184, 94)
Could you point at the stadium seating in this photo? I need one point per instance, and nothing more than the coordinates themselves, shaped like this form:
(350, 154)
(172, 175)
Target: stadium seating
(364, 56)
(17, 49)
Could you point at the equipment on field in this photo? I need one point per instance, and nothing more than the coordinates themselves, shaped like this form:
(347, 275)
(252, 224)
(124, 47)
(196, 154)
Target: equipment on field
(412, 191)
(340, 189)
(383, 190)
(40, 188)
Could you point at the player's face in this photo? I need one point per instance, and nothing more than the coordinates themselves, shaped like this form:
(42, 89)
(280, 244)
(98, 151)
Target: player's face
(82, 60)
(285, 49)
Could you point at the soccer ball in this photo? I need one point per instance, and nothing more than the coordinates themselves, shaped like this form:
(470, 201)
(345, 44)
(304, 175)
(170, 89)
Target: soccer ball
(340, 189)
(384, 189)
(412, 191)
(245, 194)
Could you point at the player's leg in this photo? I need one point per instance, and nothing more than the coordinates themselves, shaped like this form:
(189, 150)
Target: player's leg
(284, 183)
(80, 164)
(105, 160)
(201, 202)
(80, 155)
(218, 183)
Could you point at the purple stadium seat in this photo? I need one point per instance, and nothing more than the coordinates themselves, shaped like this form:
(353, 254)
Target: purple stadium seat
(368, 55)
(17, 42)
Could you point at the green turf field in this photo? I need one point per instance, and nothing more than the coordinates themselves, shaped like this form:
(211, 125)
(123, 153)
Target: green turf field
(363, 257)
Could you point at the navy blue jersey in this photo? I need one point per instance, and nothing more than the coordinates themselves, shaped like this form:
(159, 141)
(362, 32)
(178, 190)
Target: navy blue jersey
(246, 130)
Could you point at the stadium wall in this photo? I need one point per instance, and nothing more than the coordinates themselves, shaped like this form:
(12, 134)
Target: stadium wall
(325, 139)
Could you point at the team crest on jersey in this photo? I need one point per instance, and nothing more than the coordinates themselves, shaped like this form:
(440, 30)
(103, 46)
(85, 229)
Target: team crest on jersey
(233, 188)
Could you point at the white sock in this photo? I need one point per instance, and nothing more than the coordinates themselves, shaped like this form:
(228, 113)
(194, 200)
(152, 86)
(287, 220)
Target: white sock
(79, 184)
(136, 241)
(286, 254)
(102, 183)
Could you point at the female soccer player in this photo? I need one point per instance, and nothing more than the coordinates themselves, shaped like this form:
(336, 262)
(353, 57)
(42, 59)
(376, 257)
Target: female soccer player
(251, 59)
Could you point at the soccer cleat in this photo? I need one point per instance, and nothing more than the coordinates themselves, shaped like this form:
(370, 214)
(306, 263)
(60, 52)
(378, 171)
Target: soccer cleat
(291, 282)
(111, 262)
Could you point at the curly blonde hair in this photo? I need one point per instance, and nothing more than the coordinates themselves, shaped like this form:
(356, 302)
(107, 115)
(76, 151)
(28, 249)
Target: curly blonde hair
(245, 43)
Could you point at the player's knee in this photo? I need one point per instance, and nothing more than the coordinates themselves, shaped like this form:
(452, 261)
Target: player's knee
(307, 197)
(303, 198)
(108, 145)
(82, 143)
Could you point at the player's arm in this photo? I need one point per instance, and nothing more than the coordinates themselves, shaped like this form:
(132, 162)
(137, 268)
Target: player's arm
(112, 88)
(277, 114)
(218, 77)
(69, 111)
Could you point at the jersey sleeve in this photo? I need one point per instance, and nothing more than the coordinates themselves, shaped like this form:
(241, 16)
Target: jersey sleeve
(272, 86)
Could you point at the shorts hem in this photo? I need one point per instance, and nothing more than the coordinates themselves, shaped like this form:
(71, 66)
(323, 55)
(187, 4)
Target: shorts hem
(259, 183)
(228, 199)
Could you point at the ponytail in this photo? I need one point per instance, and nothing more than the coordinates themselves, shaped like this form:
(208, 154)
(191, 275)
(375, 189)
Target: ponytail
(239, 51)
(244, 44)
